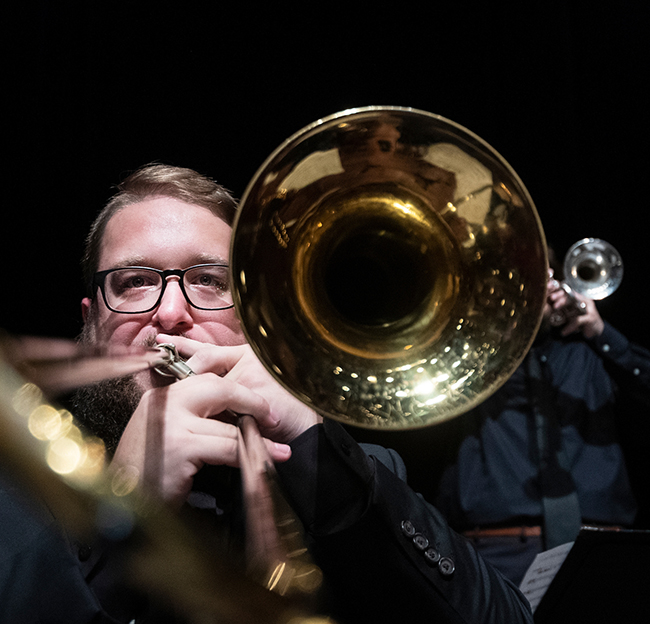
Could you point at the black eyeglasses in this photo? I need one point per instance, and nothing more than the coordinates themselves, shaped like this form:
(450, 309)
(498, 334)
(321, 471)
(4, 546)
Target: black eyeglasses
(135, 290)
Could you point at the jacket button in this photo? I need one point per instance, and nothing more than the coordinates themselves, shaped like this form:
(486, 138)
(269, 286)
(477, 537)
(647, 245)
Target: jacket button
(84, 552)
(432, 556)
(407, 528)
(446, 566)
(420, 541)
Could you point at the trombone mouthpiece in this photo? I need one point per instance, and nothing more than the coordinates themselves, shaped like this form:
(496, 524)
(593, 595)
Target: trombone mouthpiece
(172, 364)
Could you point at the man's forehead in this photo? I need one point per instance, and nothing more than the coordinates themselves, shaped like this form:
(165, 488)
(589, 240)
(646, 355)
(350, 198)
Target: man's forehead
(163, 208)
(163, 226)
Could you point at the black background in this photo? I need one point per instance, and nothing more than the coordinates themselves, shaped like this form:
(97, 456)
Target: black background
(93, 90)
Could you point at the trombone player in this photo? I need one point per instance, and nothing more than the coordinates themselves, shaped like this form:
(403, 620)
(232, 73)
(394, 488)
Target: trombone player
(155, 263)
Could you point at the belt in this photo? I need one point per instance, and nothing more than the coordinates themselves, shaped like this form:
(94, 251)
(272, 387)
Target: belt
(510, 531)
(527, 531)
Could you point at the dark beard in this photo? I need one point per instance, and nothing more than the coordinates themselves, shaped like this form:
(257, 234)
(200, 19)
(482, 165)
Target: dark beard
(104, 408)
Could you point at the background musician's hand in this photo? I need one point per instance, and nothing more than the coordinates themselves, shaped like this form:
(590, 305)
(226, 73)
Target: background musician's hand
(590, 323)
(556, 296)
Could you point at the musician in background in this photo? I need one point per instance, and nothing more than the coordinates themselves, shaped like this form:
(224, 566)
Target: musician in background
(543, 455)
(156, 268)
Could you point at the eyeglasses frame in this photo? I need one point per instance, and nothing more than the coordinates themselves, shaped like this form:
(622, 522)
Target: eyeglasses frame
(99, 280)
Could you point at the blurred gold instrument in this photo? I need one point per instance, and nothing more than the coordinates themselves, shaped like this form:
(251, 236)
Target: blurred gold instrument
(44, 451)
(389, 267)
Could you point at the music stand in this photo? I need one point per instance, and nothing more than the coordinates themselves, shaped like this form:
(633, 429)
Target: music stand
(604, 578)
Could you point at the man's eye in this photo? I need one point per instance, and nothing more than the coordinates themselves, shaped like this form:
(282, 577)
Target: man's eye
(133, 281)
(206, 280)
(212, 280)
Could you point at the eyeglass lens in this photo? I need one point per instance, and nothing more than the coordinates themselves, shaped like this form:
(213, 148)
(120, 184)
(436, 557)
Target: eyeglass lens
(134, 289)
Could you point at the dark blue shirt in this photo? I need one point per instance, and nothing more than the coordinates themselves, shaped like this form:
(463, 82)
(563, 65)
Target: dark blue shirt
(595, 384)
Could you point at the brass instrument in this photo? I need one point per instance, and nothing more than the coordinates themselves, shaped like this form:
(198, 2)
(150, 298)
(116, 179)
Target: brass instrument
(389, 267)
(593, 268)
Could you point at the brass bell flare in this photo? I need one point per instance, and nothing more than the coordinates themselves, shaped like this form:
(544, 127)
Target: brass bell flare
(389, 267)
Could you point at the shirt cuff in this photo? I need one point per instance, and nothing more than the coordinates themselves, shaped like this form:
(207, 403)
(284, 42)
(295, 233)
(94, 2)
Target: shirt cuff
(611, 343)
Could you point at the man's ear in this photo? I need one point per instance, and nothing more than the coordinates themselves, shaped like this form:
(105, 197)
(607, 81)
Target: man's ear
(85, 308)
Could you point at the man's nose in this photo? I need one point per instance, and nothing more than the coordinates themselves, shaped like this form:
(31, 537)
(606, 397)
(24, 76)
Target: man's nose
(173, 312)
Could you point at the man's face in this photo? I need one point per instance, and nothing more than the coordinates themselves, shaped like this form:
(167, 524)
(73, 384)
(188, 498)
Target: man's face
(163, 233)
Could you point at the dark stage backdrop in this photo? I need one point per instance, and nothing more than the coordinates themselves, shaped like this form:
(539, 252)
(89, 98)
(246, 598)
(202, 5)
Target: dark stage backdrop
(93, 90)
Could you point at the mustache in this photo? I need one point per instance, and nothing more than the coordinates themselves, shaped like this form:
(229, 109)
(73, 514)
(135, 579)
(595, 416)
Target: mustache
(150, 339)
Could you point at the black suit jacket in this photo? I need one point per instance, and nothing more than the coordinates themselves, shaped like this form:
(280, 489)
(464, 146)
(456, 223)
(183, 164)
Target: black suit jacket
(386, 554)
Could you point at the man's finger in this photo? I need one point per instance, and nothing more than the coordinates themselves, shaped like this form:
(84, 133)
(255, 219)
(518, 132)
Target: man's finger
(201, 357)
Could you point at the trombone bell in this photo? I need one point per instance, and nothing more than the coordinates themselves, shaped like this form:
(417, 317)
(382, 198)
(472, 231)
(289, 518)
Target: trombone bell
(389, 267)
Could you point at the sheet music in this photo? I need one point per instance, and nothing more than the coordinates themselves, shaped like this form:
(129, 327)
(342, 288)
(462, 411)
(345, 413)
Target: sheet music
(542, 571)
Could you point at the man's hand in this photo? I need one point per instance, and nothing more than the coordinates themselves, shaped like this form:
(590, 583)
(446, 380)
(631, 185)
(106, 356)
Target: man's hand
(178, 428)
(287, 418)
(589, 323)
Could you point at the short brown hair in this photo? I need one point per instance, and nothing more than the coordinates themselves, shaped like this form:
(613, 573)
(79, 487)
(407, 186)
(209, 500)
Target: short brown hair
(155, 180)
